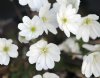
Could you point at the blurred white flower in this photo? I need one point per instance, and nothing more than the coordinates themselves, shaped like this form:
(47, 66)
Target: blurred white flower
(22, 39)
(30, 29)
(91, 64)
(89, 27)
(68, 20)
(48, 19)
(35, 5)
(7, 50)
(71, 45)
(92, 47)
(56, 6)
(47, 75)
(44, 55)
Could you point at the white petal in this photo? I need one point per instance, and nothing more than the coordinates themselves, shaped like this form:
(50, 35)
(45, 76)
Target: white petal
(88, 70)
(37, 76)
(89, 47)
(93, 16)
(73, 28)
(22, 39)
(93, 32)
(41, 63)
(54, 52)
(66, 31)
(41, 43)
(70, 10)
(44, 9)
(49, 62)
(79, 33)
(26, 19)
(13, 52)
(53, 48)
(50, 75)
(51, 28)
(35, 19)
(84, 64)
(28, 35)
(6, 60)
(85, 34)
(21, 26)
(23, 2)
(97, 28)
(33, 59)
(33, 52)
(75, 3)
(96, 69)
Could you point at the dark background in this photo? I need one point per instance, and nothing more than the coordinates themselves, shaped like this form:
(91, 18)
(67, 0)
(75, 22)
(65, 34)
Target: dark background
(7, 9)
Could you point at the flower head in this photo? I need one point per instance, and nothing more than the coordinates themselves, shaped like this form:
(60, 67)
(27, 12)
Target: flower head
(48, 19)
(89, 27)
(68, 20)
(91, 64)
(30, 29)
(70, 45)
(56, 6)
(35, 5)
(47, 75)
(44, 55)
(7, 50)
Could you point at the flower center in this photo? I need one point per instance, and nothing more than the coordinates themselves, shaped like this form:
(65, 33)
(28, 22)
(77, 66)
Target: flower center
(33, 29)
(6, 49)
(23, 37)
(64, 20)
(44, 50)
(87, 21)
(44, 19)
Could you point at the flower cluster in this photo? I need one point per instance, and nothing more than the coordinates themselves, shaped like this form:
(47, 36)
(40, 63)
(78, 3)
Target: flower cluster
(63, 15)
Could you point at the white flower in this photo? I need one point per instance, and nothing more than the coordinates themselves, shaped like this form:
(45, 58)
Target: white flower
(71, 45)
(48, 19)
(35, 5)
(92, 47)
(89, 27)
(75, 4)
(7, 50)
(47, 75)
(30, 29)
(91, 64)
(68, 20)
(22, 39)
(44, 55)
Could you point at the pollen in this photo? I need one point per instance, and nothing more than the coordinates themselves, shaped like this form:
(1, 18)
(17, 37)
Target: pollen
(64, 20)
(33, 29)
(44, 50)
(6, 49)
(44, 19)
(87, 21)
